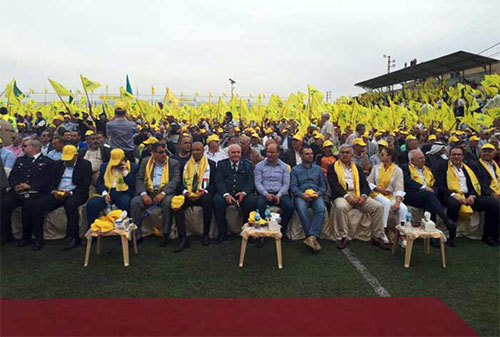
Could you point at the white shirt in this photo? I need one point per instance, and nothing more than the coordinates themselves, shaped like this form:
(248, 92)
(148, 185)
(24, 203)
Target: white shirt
(66, 183)
(491, 168)
(298, 159)
(461, 179)
(422, 176)
(115, 171)
(94, 157)
(217, 156)
(349, 180)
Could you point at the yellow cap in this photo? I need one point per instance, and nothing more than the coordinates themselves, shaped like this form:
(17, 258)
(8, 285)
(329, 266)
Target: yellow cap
(411, 137)
(378, 133)
(432, 137)
(439, 130)
(459, 133)
(327, 143)
(358, 141)
(255, 134)
(219, 130)
(89, 133)
(237, 129)
(21, 124)
(68, 152)
(1, 141)
(116, 157)
(120, 105)
(298, 136)
(203, 131)
(269, 130)
(319, 136)
(453, 139)
(488, 146)
(474, 138)
(212, 138)
(58, 117)
(177, 202)
(403, 132)
(150, 140)
(383, 143)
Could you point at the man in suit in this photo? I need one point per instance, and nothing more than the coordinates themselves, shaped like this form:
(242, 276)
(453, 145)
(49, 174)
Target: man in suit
(461, 191)
(199, 187)
(157, 181)
(292, 156)
(421, 191)
(350, 190)
(72, 176)
(115, 184)
(488, 170)
(234, 186)
(29, 180)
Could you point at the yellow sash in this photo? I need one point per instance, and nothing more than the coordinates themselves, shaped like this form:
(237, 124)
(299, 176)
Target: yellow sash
(339, 170)
(109, 177)
(148, 172)
(429, 178)
(384, 179)
(495, 181)
(189, 173)
(454, 185)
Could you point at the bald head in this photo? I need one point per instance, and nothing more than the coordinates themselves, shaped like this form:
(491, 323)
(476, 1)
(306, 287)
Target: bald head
(197, 150)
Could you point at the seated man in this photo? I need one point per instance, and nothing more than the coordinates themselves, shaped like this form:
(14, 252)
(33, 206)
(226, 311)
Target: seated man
(116, 184)
(462, 192)
(420, 189)
(199, 187)
(489, 170)
(234, 186)
(272, 180)
(28, 182)
(156, 183)
(70, 188)
(350, 190)
(303, 178)
(95, 154)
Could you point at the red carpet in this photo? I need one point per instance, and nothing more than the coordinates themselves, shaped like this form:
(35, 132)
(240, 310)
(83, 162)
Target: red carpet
(415, 316)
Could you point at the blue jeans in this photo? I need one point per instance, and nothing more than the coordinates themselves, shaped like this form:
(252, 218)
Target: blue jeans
(285, 204)
(311, 226)
(97, 204)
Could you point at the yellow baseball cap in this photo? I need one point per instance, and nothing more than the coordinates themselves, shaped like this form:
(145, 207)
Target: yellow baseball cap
(177, 202)
(212, 138)
(68, 152)
(358, 141)
(58, 117)
(432, 137)
(203, 131)
(474, 138)
(488, 146)
(411, 137)
(269, 130)
(298, 136)
(219, 130)
(318, 136)
(255, 134)
(237, 129)
(120, 105)
(89, 133)
(327, 143)
(453, 139)
(383, 143)
(150, 140)
(116, 157)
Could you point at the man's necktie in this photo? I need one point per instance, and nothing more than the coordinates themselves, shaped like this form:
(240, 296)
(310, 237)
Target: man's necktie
(235, 168)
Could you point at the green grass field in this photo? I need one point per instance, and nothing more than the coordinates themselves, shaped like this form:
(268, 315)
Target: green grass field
(469, 285)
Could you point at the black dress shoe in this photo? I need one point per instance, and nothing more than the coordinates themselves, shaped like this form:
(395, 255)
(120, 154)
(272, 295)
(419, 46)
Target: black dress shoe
(164, 240)
(23, 242)
(451, 243)
(183, 244)
(37, 244)
(71, 243)
(220, 239)
(205, 240)
(260, 242)
(490, 241)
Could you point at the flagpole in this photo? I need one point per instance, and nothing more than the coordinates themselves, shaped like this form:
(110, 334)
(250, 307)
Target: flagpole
(67, 108)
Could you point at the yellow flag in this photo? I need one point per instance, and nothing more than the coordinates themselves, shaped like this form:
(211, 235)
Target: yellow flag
(60, 90)
(483, 119)
(125, 95)
(170, 98)
(152, 90)
(89, 85)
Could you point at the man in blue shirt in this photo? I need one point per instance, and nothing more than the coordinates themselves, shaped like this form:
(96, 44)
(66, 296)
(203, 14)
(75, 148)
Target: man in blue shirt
(8, 158)
(272, 180)
(308, 186)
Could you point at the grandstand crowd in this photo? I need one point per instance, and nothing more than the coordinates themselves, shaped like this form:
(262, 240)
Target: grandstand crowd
(82, 159)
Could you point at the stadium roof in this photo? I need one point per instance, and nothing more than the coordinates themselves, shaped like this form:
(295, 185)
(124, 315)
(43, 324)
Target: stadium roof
(455, 62)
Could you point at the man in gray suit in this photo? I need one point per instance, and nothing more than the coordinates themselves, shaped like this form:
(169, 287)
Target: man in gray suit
(156, 183)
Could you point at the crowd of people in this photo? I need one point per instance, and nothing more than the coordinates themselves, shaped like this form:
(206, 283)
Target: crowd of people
(173, 165)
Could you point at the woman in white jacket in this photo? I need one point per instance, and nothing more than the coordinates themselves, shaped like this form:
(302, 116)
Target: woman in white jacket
(387, 183)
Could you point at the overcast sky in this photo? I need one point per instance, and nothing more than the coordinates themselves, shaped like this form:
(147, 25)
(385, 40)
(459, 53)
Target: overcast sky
(265, 46)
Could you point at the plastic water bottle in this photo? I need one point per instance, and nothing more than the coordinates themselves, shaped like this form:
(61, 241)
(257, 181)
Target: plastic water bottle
(408, 219)
(268, 213)
(257, 219)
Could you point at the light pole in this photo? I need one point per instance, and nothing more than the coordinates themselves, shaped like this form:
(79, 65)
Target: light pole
(390, 64)
(233, 82)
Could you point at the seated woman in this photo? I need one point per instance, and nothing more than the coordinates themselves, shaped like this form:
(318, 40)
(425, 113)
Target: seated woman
(387, 183)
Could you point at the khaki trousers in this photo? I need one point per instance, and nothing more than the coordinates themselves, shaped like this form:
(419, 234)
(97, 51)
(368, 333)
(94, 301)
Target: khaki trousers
(373, 208)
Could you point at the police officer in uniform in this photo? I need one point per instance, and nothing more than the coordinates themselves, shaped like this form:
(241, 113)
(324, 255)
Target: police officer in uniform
(28, 181)
(234, 184)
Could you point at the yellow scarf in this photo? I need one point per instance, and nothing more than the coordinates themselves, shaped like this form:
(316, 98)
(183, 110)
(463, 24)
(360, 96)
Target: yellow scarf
(429, 178)
(495, 181)
(148, 172)
(384, 179)
(189, 173)
(109, 178)
(339, 170)
(454, 185)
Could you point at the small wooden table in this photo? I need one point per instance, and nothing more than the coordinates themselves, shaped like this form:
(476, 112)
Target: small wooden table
(250, 231)
(413, 233)
(125, 234)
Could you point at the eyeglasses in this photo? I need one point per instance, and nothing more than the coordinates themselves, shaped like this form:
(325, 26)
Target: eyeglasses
(345, 152)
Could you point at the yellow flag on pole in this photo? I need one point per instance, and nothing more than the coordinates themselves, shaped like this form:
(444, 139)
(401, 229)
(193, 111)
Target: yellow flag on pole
(60, 90)
(89, 85)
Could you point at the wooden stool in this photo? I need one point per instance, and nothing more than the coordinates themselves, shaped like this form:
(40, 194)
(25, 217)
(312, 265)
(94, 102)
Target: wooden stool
(125, 236)
(413, 233)
(248, 231)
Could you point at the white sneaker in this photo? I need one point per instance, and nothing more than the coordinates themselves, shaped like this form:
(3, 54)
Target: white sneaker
(384, 239)
(402, 243)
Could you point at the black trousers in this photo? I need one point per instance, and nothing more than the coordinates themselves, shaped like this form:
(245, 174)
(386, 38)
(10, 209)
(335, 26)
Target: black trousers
(247, 205)
(430, 202)
(487, 204)
(8, 203)
(204, 202)
(48, 203)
